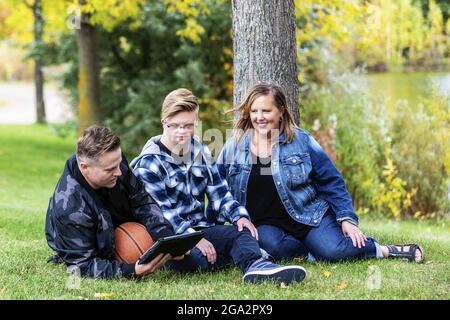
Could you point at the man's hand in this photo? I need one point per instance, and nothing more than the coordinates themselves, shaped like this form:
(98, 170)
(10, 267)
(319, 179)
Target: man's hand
(142, 270)
(245, 223)
(352, 231)
(208, 250)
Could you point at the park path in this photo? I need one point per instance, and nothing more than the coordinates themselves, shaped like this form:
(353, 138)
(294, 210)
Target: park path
(17, 104)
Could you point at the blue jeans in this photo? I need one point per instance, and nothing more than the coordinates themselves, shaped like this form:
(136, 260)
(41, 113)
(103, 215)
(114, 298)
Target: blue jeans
(325, 242)
(232, 248)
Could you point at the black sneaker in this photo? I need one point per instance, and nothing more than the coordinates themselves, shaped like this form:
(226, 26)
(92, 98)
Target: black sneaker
(263, 270)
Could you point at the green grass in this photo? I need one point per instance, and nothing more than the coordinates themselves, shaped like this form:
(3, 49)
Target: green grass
(31, 160)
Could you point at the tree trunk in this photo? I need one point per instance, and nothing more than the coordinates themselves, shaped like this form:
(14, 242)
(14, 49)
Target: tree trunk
(265, 48)
(38, 28)
(88, 75)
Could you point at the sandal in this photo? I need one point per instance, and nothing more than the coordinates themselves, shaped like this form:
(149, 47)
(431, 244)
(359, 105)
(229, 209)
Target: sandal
(394, 252)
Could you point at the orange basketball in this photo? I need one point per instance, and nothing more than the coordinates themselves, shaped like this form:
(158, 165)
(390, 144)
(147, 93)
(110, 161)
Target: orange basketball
(132, 240)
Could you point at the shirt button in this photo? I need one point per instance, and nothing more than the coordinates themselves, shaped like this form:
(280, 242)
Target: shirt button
(243, 190)
(315, 221)
(294, 161)
(278, 182)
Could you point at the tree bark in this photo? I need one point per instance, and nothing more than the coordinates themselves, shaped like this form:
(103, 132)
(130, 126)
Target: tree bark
(88, 75)
(264, 48)
(38, 29)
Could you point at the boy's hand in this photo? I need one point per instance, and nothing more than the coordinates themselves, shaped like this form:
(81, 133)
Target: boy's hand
(208, 250)
(245, 223)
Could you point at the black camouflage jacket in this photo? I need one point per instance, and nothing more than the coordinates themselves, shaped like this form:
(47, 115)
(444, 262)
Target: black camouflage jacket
(80, 229)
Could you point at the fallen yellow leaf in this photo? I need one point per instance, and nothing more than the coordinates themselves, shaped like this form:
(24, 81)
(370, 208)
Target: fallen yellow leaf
(103, 294)
(341, 286)
(283, 285)
(327, 273)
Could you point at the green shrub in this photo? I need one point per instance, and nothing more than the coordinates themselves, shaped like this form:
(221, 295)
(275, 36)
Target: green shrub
(421, 148)
(397, 162)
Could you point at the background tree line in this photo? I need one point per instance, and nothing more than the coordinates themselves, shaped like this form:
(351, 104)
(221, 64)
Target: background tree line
(122, 57)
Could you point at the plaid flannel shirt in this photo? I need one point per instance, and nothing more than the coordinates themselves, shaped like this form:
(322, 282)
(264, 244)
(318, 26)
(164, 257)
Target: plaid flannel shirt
(179, 187)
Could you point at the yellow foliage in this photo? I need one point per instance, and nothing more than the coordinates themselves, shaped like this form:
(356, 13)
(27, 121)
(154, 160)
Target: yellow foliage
(392, 195)
(14, 66)
(109, 13)
(192, 31)
(57, 13)
(5, 11)
(20, 23)
(124, 44)
(380, 30)
(190, 9)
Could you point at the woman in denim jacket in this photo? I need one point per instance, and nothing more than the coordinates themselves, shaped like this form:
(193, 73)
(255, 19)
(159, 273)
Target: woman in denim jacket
(296, 197)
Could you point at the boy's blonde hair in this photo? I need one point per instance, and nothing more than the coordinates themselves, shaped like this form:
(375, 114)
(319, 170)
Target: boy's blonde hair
(177, 101)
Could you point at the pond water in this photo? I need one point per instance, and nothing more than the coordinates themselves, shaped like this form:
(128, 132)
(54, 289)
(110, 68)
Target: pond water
(412, 87)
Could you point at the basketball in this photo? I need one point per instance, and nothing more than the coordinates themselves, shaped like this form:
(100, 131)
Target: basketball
(132, 240)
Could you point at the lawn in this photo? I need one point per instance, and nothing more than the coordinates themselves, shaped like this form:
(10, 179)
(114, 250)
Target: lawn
(31, 160)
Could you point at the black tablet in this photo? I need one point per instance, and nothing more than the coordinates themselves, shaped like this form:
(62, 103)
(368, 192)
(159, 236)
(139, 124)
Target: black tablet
(176, 245)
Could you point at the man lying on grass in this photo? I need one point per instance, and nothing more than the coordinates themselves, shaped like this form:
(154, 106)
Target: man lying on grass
(97, 192)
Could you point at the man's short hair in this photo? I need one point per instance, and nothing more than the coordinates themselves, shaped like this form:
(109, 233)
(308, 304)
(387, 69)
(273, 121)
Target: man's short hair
(95, 141)
(177, 101)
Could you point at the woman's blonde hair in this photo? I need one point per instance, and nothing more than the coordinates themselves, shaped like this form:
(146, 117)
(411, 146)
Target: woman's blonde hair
(177, 101)
(287, 124)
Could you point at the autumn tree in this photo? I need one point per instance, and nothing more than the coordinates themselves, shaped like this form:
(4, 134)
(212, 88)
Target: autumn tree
(32, 10)
(88, 72)
(38, 29)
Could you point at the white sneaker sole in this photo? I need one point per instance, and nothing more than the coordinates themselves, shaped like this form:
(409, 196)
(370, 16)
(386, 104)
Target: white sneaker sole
(286, 275)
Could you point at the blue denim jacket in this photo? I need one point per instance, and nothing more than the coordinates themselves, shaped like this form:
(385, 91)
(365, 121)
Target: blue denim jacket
(306, 179)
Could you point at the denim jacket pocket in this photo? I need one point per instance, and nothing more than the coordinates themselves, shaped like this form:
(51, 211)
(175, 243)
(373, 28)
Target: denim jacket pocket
(294, 169)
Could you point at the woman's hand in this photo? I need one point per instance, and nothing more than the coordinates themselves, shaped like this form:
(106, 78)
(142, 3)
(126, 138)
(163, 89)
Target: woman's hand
(352, 231)
(245, 223)
(208, 250)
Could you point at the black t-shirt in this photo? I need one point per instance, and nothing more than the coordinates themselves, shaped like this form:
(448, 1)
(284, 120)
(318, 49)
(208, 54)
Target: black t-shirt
(181, 158)
(163, 147)
(264, 204)
(115, 199)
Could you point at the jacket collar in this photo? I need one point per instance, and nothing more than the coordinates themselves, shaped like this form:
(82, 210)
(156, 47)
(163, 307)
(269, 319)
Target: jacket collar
(152, 148)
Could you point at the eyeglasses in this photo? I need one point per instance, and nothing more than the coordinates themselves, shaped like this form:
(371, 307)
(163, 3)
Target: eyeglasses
(176, 126)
